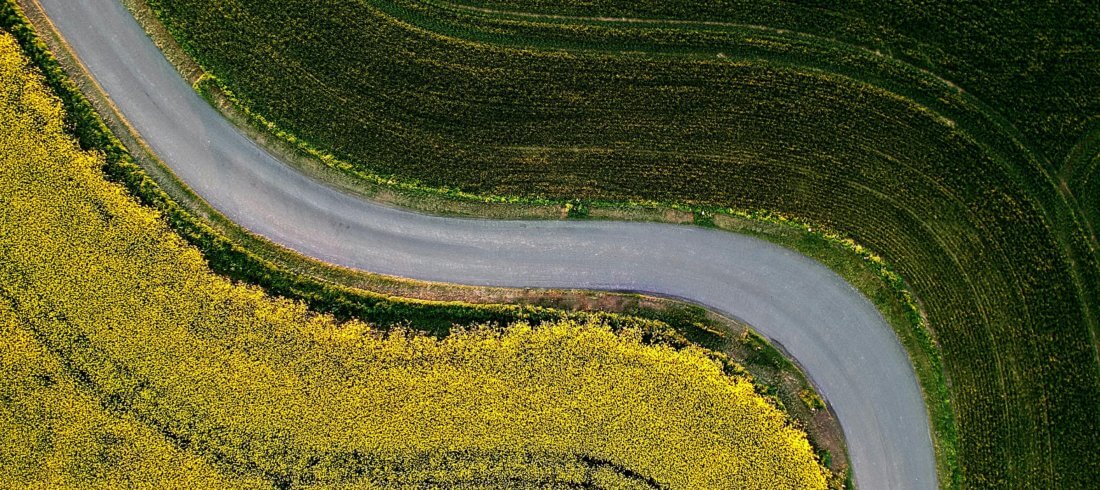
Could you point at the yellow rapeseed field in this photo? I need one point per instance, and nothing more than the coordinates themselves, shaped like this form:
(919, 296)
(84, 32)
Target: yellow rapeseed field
(126, 363)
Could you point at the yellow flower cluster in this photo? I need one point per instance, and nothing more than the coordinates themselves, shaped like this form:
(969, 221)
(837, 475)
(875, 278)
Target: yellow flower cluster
(126, 362)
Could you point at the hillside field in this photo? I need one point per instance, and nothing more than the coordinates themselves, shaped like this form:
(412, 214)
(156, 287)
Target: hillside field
(956, 141)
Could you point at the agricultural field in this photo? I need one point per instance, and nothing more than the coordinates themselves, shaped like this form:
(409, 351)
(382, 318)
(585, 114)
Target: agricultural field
(127, 362)
(956, 141)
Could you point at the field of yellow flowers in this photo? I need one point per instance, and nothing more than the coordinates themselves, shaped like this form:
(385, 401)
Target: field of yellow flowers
(126, 362)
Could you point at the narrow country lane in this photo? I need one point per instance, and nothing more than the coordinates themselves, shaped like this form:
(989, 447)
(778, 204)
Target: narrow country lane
(843, 343)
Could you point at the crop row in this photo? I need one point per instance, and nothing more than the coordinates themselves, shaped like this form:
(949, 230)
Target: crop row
(1009, 56)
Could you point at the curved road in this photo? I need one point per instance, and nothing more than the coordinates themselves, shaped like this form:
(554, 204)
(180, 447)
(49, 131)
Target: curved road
(851, 354)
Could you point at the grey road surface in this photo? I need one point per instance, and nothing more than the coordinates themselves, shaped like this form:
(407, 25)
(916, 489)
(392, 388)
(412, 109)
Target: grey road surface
(841, 340)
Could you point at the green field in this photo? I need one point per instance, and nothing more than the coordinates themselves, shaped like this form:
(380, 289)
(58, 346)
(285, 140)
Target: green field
(127, 362)
(955, 141)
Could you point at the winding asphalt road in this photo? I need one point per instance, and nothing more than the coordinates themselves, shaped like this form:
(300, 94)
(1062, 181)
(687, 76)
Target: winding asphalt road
(851, 354)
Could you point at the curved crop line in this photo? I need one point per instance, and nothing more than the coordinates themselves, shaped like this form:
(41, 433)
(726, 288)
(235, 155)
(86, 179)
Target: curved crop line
(395, 19)
(981, 107)
(1082, 163)
(1077, 162)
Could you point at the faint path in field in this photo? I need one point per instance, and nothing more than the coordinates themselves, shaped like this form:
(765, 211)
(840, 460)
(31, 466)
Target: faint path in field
(993, 116)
